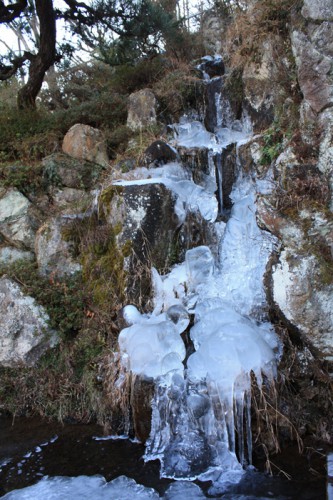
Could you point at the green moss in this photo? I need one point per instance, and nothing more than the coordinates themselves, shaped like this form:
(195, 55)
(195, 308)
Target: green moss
(109, 193)
(126, 248)
(273, 140)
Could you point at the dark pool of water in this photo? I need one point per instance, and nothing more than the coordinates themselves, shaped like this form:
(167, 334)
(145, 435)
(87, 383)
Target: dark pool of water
(32, 448)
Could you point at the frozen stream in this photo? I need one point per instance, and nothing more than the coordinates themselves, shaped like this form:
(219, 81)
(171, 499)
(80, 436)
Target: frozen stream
(198, 409)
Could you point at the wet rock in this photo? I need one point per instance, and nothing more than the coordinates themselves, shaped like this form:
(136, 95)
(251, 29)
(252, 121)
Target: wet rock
(145, 215)
(227, 164)
(212, 66)
(18, 220)
(86, 143)
(141, 109)
(196, 159)
(54, 248)
(159, 153)
(8, 255)
(250, 155)
(24, 333)
(145, 222)
(212, 90)
(61, 170)
(142, 393)
(200, 162)
(195, 231)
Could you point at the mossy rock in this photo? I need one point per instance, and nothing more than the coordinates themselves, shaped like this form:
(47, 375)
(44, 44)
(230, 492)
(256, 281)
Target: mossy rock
(62, 170)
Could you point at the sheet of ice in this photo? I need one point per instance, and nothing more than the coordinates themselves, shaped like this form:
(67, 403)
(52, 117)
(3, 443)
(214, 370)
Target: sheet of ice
(84, 488)
(172, 170)
(190, 196)
(195, 414)
(244, 253)
(193, 134)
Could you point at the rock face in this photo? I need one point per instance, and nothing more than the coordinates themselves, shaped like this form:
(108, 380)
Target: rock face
(145, 224)
(307, 306)
(86, 143)
(53, 251)
(24, 334)
(314, 62)
(312, 44)
(321, 10)
(145, 215)
(212, 28)
(260, 86)
(141, 109)
(18, 223)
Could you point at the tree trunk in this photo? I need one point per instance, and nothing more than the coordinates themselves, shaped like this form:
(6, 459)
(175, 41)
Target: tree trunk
(45, 57)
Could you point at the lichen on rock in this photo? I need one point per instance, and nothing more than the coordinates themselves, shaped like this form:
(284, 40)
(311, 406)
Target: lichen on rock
(23, 325)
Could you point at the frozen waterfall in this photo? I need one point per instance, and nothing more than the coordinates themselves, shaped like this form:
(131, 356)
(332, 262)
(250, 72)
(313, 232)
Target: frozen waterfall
(201, 423)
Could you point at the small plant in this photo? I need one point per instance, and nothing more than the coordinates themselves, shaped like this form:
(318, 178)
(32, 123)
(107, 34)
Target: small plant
(273, 141)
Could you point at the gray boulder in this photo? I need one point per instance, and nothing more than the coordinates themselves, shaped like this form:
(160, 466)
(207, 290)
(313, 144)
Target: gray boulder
(141, 109)
(18, 221)
(54, 248)
(24, 333)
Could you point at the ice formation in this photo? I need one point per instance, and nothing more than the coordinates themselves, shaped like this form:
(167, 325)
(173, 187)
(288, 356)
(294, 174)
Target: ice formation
(84, 488)
(87, 487)
(201, 424)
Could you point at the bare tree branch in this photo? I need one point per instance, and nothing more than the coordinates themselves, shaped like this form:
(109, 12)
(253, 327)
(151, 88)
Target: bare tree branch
(10, 12)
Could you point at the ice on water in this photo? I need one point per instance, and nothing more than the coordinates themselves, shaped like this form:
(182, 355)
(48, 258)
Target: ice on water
(84, 488)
